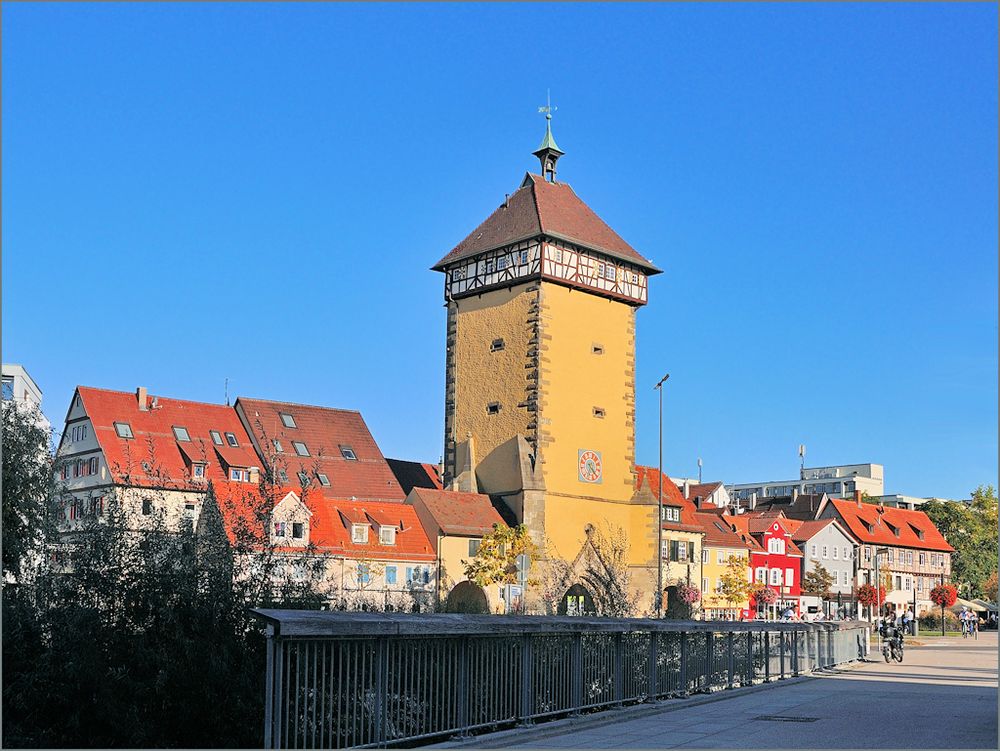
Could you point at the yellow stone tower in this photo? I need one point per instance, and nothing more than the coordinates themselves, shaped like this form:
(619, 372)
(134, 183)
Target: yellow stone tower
(540, 368)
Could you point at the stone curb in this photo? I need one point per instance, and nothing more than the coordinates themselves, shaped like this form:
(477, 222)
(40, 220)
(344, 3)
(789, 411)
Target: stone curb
(527, 735)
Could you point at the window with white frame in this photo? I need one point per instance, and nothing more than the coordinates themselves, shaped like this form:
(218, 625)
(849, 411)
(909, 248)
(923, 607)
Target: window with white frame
(216, 437)
(720, 557)
(775, 545)
(776, 576)
(278, 448)
(359, 533)
(124, 430)
(387, 535)
(181, 433)
(672, 513)
(836, 553)
(323, 479)
(231, 440)
(682, 550)
(704, 585)
(761, 575)
(198, 471)
(238, 475)
(826, 551)
(300, 448)
(847, 552)
(287, 420)
(704, 555)
(814, 550)
(790, 577)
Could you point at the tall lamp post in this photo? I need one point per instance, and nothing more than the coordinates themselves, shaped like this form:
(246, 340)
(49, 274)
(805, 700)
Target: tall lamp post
(878, 593)
(659, 510)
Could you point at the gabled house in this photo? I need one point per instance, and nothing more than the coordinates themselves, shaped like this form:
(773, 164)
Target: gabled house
(912, 551)
(156, 455)
(777, 563)
(825, 543)
(455, 523)
(329, 450)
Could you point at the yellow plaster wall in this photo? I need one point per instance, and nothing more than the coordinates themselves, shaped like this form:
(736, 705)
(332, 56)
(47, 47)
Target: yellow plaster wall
(482, 376)
(713, 571)
(574, 380)
(452, 551)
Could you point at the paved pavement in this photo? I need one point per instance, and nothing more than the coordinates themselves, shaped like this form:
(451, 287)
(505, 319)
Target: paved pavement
(944, 695)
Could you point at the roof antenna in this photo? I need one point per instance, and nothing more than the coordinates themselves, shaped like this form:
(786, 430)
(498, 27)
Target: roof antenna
(227, 392)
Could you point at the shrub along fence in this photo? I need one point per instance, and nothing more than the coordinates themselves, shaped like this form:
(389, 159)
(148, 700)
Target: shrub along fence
(341, 680)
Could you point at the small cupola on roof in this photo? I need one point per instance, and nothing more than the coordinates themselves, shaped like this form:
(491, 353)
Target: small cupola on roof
(548, 153)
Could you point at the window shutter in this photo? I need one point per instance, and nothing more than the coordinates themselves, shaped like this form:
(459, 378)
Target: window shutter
(673, 550)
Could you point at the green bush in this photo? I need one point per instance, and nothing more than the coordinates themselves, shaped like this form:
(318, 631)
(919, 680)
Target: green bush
(931, 621)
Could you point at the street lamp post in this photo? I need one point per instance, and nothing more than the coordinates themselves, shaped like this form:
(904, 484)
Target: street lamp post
(659, 510)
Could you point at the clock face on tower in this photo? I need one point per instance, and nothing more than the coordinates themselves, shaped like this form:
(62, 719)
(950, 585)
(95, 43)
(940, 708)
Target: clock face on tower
(589, 465)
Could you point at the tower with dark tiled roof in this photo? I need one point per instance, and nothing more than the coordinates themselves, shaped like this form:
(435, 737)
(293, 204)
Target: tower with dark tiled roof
(540, 365)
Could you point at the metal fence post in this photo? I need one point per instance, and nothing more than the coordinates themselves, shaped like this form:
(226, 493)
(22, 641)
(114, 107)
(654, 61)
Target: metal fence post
(527, 672)
(795, 653)
(781, 662)
(767, 657)
(732, 658)
(576, 671)
(462, 688)
(269, 688)
(381, 686)
(749, 675)
(619, 668)
(652, 669)
(709, 661)
(684, 664)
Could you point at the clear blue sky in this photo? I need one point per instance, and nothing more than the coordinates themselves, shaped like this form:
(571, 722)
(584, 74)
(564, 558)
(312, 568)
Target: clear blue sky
(196, 192)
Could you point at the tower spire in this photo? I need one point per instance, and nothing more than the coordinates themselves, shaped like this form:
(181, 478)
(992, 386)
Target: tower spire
(548, 153)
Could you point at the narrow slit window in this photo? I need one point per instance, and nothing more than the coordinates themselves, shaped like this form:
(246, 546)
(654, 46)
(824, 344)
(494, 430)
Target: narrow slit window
(493, 408)
(599, 412)
(497, 345)
(597, 349)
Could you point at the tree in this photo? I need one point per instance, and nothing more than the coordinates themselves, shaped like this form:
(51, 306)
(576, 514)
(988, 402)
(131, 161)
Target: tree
(735, 584)
(817, 582)
(990, 587)
(606, 572)
(29, 486)
(496, 560)
(972, 530)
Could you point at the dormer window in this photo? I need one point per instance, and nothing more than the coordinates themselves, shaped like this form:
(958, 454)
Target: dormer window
(348, 453)
(287, 420)
(300, 448)
(216, 437)
(198, 471)
(387, 535)
(231, 440)
(359, 534)
(124, 430)
(671, 514)
(239, 475)
(181, 434)
(323, 479)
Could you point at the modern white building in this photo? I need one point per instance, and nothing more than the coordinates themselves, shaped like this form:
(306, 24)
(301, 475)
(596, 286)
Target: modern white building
(838, 481)
(21, 388)
(908, 501)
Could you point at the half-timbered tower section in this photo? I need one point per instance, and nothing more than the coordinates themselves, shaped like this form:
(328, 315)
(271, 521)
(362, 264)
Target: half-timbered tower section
(540, 365)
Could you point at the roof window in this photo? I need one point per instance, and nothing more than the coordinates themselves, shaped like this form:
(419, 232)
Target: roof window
(181, 433)
(283, 475)
(124, 430)
(323, 479)
(231, 439)
(300, 448)
(216, 437)
(348, 453)
(287, 420)
(277, 446)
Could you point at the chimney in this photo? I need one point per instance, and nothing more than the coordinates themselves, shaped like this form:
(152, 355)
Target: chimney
(254, 474)
(857, 498)
(141, 395)
(687, 489)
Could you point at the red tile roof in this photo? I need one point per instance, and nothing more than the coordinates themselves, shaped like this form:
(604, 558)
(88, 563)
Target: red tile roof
(243, 508)
(672, 496)
(538, 208)
(467, 514)
(804, 530)
(412, 475)
(881, 523)
(702, 490)
(155, 444)
(757, 526)
(324, 431)
(719, 533)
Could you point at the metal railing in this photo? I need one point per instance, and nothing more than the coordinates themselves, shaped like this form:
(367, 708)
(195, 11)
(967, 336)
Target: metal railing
(342, 680)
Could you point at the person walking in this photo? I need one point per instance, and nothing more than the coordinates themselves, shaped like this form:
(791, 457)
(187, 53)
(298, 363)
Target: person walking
(908, 621)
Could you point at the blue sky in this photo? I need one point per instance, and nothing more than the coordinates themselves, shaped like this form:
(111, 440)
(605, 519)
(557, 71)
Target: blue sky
(256, 192)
